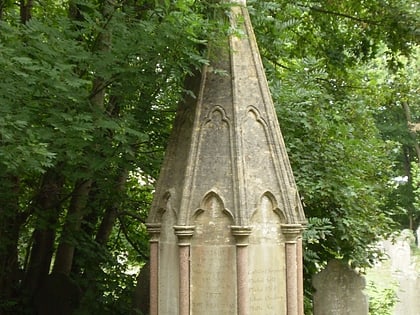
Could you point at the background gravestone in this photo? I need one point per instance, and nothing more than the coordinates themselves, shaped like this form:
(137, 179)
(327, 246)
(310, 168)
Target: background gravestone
(408, 294)
(398, 273)
(399, 253)
(339, 291)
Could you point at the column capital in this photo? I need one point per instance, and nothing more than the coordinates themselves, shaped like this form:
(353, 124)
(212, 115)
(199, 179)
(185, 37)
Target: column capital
(184, 234)
(241, 234)
(291, 232)
(154, 231)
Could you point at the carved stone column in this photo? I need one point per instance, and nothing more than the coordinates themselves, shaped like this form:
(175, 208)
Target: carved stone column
(184, 234)
(241, 234)
(300, 288)
(154, 231)
(291, 233)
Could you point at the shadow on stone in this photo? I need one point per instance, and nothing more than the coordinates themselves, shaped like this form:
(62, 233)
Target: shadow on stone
(141, 293)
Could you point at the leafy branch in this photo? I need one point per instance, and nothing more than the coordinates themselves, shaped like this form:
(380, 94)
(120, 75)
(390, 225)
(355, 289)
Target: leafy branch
(344, 15)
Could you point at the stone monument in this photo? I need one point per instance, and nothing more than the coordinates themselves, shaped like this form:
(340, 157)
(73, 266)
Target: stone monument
(226, 220)
(339, 291)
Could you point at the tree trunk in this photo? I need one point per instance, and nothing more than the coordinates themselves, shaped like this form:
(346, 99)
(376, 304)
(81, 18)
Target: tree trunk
(10, 222)
(102, 237)
(65, 251)
(111, 213)
(46, 206)
(2, 6)
(25, 10)
(407, 113)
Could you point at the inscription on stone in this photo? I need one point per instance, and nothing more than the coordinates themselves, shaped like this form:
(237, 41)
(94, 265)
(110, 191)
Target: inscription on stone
(213, 277)
(267, 285)
(168, 279)
(267, 269)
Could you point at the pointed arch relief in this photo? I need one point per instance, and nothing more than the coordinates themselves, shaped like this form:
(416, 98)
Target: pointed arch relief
(267, 258)
(168, 201)
(267, 219)
(212, 159)
(212, 220)
(167, 215)
(216, 118)
(258, 155)
(299, 212)
(213, 255)
(254, 114)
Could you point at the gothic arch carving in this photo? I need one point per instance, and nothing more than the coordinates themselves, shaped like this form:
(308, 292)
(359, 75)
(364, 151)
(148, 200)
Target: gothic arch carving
(268, 196)
(276, 208)
(212, 115)
(212, 199)
(165, 206)
(257, 116)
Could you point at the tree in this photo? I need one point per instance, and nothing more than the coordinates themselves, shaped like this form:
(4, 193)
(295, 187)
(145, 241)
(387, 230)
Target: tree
(87, 96)
(398, 122)
(321, 61)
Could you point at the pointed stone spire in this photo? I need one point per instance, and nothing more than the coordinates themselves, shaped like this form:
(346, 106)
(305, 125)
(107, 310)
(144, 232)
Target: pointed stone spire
(226, 219)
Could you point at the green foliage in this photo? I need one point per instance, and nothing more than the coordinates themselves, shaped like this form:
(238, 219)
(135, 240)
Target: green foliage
(317, 231)
(333, 69)
(88, 92)
(397, 94)
(381, 301)
(415, 175)
(318, 61)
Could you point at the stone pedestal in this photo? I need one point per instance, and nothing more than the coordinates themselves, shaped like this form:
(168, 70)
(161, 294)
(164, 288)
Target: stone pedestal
(226, 219)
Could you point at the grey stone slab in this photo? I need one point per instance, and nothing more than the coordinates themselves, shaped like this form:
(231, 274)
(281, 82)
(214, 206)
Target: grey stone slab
(339, 291)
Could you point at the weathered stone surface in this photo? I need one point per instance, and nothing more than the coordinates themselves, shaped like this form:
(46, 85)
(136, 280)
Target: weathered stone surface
(339, 291)
(227, 141)
(225, 193)
(400, 255)
(408, 294)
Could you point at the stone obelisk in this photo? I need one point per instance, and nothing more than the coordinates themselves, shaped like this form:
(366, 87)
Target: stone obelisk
(226, 220)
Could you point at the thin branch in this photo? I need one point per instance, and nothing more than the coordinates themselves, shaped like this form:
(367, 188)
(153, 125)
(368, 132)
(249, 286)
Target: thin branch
(135, 216)
(344, 15)
(278, 64)
(339, 86)
(125, 232)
